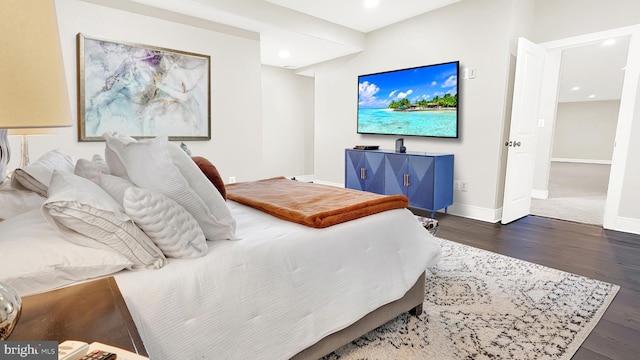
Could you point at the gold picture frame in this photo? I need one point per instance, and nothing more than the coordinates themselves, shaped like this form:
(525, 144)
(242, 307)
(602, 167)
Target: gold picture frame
(142, 91)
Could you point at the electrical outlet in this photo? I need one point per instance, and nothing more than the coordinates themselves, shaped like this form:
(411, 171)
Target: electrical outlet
(456, 185)
(464, 186)
(232, 179)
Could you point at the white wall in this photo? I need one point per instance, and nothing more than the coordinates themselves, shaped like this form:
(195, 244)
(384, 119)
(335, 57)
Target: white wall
(235, 84)
(287, 113)
(248, 128)
(479, 35)
(557, 20)
(630, 204)
(585, 131)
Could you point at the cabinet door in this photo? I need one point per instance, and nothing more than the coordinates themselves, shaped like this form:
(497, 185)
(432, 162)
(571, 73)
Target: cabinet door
(395, 174)
(354, 162)
(420, 183)
(374, 172)
(443, 182)
(364, 170)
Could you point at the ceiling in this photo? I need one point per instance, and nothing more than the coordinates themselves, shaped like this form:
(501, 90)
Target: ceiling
(314, 31)
(593, 72)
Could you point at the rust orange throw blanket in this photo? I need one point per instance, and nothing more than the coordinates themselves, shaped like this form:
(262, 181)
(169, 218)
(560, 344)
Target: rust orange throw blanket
(314, 205)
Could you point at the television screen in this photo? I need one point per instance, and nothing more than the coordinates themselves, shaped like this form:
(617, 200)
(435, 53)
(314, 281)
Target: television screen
(420, 101)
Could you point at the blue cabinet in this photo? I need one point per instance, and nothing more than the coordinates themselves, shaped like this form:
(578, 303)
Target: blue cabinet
(426, 179)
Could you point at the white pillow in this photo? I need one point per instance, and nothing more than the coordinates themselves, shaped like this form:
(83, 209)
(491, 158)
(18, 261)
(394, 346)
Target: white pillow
(149, 165)
(114, 144)
(36, 258)
(86, 215)
(114, 186)
(91, 169)
(167, 223)
(36, 177)
(15, 202)
(199, 182)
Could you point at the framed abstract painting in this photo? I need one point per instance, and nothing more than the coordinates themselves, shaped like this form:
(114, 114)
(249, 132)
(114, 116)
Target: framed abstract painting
(141, 91)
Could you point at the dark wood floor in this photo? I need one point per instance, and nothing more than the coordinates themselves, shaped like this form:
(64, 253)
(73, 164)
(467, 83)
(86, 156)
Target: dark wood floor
(586, 250)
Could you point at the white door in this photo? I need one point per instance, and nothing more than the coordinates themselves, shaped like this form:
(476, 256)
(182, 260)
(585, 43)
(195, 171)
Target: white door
(522, 137)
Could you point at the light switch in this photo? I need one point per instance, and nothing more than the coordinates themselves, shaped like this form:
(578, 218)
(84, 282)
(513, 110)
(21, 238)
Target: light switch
(469, 73)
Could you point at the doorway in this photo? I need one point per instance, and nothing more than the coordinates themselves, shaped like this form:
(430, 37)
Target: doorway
(547, 113)
(584, 131)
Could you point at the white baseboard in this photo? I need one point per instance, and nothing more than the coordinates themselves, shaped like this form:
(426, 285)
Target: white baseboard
(540, 194)
(582, 161)
(305, 178)
(628, 225)
(623, 224)
(476, 213)
(329, 183)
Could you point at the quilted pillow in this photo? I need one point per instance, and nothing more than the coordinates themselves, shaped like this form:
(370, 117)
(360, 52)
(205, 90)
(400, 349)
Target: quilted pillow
(167, 223)
(88, 216)
(36, 177)
(210, 171)
(36, 258)
(151, 165)
(91, 169)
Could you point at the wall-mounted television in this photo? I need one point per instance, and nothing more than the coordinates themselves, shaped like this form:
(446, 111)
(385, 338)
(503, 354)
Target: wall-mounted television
(418, 101)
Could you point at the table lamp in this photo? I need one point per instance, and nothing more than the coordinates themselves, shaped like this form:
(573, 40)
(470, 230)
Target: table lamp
(33, 93)
(10, 309)
(25, 133)
(33, 89)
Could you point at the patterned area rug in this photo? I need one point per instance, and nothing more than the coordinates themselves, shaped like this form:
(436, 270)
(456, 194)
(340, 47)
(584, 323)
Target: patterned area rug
(482, 305)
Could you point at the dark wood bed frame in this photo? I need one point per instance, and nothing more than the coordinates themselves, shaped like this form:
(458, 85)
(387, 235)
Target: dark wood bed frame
(411, 301)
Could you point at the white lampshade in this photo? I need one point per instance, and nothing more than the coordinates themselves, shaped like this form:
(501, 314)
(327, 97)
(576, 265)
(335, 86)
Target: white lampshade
(32, 131)
(33, 89)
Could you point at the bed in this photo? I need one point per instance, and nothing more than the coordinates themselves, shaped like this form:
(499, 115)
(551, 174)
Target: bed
(269, 288)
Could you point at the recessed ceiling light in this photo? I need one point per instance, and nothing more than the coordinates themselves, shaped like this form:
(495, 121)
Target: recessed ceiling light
(609, 42)
(592, 96)
(284, 54)
(575, 88)
(370, 4)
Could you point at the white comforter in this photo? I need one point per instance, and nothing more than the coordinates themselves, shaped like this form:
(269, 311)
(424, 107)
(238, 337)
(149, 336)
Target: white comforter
(277, 290)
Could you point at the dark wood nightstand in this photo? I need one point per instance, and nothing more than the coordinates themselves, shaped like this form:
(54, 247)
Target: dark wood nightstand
(91, 312)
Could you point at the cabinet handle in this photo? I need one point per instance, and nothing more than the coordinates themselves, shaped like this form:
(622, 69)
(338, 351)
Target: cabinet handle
(406, 180)
(363, 173)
